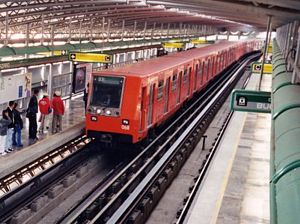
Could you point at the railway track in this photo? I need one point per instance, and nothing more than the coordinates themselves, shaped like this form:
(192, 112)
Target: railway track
(21, 186)
(130, 196)
(170, 149)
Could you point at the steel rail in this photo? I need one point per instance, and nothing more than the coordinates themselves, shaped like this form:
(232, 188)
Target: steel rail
(122, 213)
(78, 213)
(16, 198)
(200, 178)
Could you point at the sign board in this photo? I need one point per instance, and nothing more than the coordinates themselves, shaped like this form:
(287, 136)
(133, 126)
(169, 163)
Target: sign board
(14, 87)
(256, 68)
(172, 45)
(202, 42)
(250, 101)
(90, 57)
(55, 53)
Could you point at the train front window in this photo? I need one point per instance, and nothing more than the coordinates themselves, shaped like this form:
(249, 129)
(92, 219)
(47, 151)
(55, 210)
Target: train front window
(107, 91)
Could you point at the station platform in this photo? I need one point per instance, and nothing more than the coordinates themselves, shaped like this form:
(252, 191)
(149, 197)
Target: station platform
(73, 124)
(236, 188)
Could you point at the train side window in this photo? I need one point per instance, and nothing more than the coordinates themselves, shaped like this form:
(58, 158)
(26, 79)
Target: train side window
(190, 70)
(200, 69)
(185, 75)
(174, 82)
(160, 90)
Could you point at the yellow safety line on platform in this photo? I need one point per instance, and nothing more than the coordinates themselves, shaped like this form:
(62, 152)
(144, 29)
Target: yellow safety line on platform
(227, 175)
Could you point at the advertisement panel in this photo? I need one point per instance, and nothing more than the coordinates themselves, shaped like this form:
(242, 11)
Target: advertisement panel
(81, 75)
(15, 87)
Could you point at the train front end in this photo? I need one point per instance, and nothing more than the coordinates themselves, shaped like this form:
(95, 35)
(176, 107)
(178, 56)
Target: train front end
(111, 113)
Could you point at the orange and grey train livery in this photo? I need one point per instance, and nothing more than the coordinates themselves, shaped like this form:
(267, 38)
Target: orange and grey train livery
(126, 102)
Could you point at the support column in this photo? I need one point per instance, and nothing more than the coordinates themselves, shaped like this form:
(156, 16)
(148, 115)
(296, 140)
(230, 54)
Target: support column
(228, 34)
(103, 29)
(91, 30)
(27, 38)
(145, 30)
(168, 30)
(288, 41)
(27, 43)
(108, 30)
(50, 75)
(80, 33)
(152, 31)
(134, 29)
(296, 71)
(265, 50)
(293, 42)
(72, 71)
(43, 29)
(70, 31)
(123, 29)
(6, 29)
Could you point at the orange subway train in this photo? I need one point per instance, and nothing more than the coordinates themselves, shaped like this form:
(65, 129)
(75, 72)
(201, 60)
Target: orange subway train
(127, 102)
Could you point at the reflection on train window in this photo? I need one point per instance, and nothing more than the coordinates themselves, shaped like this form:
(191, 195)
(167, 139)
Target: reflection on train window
(160, 89)
(199, 69)
(174, 82)
(107, 91)
(185, 76)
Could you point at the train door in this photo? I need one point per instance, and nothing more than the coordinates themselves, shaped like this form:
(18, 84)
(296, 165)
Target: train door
(196, 76)
(189, 77)
(167, 92)
(212, 66)
(179, 87)
(208, 69)
(218, 63)
(150, 104)
(143, 108)
(203, 72)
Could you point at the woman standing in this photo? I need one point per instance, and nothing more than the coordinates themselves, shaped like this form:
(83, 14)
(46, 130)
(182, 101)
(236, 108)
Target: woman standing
(58, 112)
(45, 109)
(18, 126)
(4, 122)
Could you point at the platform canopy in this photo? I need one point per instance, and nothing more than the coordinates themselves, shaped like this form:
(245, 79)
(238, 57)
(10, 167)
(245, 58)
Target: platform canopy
(69, 16)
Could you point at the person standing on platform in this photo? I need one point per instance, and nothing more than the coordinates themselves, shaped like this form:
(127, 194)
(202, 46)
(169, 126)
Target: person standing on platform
(4, 123)
(10, 128)
(32, 110)
(85, 96)
(45, 109)
(58, 112)
(18, 126)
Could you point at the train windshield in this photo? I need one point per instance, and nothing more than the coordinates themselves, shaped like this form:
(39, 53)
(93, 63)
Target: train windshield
(107, 91)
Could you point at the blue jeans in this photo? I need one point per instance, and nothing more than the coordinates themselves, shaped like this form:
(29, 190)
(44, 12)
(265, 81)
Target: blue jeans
(8, 142)
(16, 137)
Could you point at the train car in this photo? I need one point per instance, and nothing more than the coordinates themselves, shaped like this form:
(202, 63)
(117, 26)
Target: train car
(127, 102)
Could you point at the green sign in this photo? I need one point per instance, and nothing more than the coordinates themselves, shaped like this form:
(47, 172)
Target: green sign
(250, 101)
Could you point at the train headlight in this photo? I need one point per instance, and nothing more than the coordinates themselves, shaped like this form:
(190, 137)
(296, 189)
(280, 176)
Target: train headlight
(108, 112)
(125, 122)
(94, 118)
(99, 111)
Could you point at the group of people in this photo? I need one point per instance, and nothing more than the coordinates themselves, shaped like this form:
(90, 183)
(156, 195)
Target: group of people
(11, 123)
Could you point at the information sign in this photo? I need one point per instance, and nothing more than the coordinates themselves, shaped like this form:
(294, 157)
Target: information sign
(172, 45)
(251, 101)
(256, 68)
(90, 57)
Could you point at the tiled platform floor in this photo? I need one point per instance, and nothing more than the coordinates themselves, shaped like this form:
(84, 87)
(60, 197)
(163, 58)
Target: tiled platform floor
(237, 187)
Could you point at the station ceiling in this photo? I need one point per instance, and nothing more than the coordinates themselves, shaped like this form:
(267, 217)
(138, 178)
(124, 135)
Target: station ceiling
(243, 15)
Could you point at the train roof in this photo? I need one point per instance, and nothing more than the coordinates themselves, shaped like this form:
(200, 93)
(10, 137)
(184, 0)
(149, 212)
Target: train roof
(159, 64)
